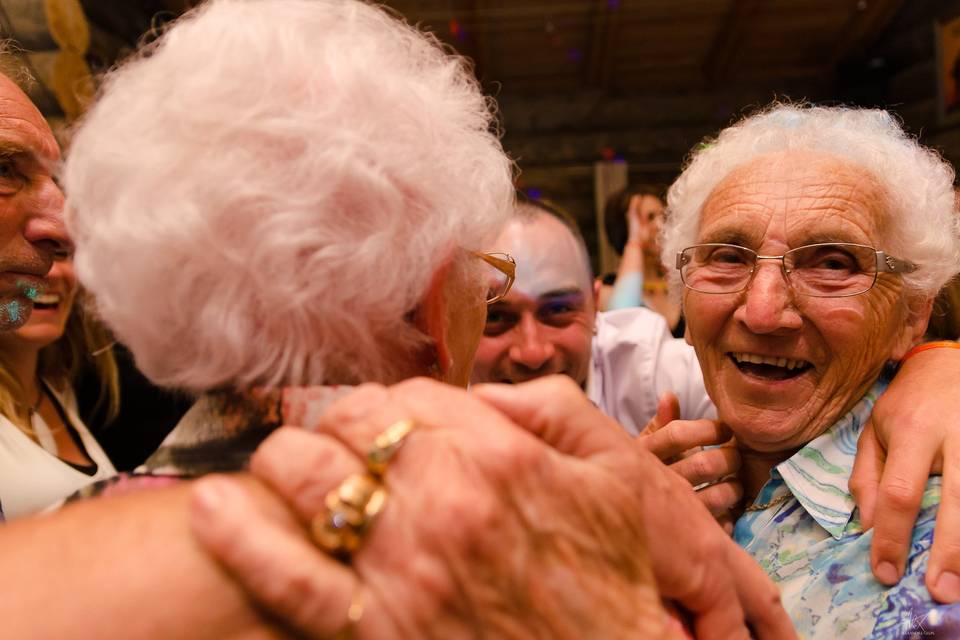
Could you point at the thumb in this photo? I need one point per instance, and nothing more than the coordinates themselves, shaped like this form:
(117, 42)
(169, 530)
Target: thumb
(554, 409)
(668, 410)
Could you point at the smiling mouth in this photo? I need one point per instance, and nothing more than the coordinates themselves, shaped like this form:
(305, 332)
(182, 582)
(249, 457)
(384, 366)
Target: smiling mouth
(769, 368)
(46, 301)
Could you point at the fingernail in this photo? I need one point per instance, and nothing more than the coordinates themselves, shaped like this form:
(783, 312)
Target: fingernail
(210, 494)
(887, 573)
(948, 586)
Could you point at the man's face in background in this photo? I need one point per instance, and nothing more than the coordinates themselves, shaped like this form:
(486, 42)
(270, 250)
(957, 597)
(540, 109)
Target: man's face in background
(545, 324)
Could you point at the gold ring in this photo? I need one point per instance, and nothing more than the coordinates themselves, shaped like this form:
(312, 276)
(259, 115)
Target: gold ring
(350, 508)
(354, 613)
(386, 444)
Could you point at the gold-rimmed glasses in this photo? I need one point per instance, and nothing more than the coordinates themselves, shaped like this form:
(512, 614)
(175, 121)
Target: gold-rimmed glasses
(501, 276)
(822, 270)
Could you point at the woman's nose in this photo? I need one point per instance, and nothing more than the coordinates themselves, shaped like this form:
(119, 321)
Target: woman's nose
(768, 303)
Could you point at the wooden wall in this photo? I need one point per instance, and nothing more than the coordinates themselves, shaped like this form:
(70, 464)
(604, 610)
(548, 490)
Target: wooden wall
(899, 73)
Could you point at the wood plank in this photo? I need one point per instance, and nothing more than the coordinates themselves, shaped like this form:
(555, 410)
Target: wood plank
(735, 28)
(864, 27)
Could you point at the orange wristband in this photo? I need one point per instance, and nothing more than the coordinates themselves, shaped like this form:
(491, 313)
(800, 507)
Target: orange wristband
(941, 344)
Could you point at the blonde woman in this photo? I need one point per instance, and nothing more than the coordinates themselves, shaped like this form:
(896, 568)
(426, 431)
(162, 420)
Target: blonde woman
(46, 451)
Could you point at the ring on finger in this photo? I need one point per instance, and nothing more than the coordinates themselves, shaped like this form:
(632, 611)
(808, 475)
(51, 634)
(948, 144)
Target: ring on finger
(350, 508)
(354, 613)
(386, 445)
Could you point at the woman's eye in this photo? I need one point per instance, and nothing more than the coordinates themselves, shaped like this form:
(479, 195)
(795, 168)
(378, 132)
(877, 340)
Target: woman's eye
(10, 178)
(832, 261)
(727, 256)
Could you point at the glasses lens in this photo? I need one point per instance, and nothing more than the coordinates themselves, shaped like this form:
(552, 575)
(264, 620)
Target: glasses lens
(831, 269)
(717, 268)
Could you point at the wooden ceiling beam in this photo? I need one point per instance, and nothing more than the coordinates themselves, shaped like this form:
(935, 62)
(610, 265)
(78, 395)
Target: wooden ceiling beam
(722, 54)
(476, 40)
(866, 23)
(604, 43)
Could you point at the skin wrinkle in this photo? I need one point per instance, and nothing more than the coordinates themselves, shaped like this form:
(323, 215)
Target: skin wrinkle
(826, 332)
(563, 542)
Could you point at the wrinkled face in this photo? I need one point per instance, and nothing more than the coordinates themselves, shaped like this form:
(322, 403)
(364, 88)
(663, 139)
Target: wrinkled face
(782, 368)
(50, 310)
(545, 324)
(31, 204)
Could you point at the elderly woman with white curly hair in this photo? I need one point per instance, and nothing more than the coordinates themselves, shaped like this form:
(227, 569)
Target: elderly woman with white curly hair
(809, 244)
(306, 207)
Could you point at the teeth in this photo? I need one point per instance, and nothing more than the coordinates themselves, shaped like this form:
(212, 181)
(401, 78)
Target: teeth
(48, 298)
(785, 363)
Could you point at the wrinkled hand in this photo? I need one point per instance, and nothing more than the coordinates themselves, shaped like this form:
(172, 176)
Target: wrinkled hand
(679, 444)
(914, 432)
(694, 562)
(486, 531)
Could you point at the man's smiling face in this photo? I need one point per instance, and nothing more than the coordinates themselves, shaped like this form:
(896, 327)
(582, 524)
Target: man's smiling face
(545, 324)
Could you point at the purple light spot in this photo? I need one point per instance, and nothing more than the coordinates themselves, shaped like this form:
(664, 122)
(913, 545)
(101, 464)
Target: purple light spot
(613, 4)
(575, 54)
(534, 194)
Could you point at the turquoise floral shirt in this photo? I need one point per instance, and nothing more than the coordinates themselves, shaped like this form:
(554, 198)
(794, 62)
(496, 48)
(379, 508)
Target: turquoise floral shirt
(811, 542)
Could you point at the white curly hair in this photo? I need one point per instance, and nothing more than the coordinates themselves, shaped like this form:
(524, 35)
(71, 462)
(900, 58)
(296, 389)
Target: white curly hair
(923, 227)
(263, 195)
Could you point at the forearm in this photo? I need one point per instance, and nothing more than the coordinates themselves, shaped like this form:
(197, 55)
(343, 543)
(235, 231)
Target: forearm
(124, 567)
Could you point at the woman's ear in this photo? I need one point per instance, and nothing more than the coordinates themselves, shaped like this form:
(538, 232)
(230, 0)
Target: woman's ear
(914, 326)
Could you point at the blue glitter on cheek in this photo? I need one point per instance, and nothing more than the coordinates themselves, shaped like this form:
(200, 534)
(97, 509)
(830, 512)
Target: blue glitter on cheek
(30, 290)
(13, 311)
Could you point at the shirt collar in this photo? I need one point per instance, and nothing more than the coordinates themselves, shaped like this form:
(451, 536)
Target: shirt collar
(819, 473)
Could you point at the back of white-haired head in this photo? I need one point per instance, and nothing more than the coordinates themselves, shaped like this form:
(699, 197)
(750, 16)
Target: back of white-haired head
(264, 195)
(922, 224)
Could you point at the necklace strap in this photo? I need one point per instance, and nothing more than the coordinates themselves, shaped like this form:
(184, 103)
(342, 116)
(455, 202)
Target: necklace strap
(766, 505)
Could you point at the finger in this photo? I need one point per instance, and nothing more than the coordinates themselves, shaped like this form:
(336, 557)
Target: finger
(359, 418)
(668, 410)
(715, 614)
(302, 467)
(681, 435)
(555, 410)
(943, 568)
(867, 471)
(898, 502)
(726, 523)
(276, 565)
(720, 498)
(759, 597)
(708, 465)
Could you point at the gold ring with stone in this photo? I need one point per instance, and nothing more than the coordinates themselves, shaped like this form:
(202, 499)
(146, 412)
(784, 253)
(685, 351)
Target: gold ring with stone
(386, 444)
(350, 508)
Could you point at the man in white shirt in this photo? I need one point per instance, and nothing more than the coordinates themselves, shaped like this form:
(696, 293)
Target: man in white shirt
(548, 324)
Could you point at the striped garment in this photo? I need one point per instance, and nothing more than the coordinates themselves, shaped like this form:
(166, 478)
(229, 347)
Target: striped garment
(813, 546)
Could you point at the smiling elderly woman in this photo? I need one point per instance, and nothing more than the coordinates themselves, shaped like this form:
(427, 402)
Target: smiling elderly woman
(810, 243)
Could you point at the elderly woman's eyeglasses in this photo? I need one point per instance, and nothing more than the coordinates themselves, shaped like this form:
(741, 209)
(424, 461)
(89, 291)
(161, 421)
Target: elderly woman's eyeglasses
(824, 270)
(500, 277)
